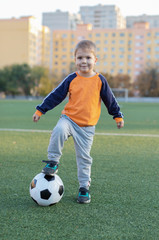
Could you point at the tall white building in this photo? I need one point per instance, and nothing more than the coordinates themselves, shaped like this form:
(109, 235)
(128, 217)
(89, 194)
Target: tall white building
(103, 16)
(60, 20)
(153, 20)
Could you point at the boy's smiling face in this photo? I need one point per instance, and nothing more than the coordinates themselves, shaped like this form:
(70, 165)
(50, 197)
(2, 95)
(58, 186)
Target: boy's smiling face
(85, 61)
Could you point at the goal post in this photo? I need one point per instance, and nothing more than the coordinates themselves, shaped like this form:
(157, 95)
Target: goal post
(121, 93)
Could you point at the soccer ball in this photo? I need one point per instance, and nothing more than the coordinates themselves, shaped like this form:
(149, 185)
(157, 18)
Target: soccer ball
(46, 190)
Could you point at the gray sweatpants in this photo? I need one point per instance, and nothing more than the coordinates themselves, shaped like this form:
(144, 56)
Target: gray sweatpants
(83, 139)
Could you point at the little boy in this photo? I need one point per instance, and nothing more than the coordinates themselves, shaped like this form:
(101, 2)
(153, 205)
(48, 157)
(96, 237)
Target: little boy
(86, 89)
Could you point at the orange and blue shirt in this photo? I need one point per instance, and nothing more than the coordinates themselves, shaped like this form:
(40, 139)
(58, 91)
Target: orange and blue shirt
(85, 95)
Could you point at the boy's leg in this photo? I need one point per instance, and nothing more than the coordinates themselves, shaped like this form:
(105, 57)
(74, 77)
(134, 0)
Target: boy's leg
(59, 135)
(83, 139)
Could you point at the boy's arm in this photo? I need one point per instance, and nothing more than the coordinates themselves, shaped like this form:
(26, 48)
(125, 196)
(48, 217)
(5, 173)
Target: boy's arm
(110, 102)
(56, 96)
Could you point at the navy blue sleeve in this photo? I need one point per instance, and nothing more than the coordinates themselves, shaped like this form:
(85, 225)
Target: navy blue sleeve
(109, 99)
(57, 95)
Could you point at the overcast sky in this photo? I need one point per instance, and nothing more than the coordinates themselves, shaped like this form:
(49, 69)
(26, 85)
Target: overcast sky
(17, 8)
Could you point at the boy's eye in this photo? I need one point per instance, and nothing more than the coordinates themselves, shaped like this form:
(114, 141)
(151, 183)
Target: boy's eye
(79, 58)
(88, 57)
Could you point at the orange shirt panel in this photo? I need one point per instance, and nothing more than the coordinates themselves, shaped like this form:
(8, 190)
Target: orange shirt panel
(84, 105)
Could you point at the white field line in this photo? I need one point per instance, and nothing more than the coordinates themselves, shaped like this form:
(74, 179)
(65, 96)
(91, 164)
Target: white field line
(97, 133)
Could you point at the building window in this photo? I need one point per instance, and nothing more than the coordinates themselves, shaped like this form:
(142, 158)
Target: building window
(138, 44)
(64, 35)
(121, 64)
(139, 36)
(121, 49)
(121, 41)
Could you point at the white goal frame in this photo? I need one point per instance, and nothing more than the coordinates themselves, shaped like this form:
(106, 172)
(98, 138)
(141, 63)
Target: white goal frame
(121, 93)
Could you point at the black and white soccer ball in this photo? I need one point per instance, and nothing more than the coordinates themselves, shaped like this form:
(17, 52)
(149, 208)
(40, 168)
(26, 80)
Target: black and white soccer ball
(46, 190)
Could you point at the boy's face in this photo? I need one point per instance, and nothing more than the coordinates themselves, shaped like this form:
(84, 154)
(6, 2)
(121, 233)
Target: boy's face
(85, 61)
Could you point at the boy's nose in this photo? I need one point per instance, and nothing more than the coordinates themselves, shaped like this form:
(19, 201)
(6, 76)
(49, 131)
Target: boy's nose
(83, 59)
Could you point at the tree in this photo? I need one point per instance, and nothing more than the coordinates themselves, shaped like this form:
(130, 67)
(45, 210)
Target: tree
(8, 81)
(148, 83)
(22, 75)
(37, 72)
(120, 81)
(46, 83)
(109, 78)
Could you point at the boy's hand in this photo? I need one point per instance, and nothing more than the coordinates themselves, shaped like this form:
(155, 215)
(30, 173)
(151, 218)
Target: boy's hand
(35, 118)
(119, 122)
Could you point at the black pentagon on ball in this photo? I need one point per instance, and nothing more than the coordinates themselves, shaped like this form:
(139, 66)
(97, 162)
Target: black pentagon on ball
(61, 189)
(49, 178)
(45, 194)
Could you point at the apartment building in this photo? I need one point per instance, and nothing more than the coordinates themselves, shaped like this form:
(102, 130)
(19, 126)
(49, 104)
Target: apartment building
(22, 40)
(153, 20)
(103, 16)
(60, 20)
(126, 51)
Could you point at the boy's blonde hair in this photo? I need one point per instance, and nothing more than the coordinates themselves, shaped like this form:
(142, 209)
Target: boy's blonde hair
(86, 44)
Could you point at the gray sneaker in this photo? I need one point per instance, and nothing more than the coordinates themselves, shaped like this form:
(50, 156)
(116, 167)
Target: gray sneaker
(51, 168)
(84, 196)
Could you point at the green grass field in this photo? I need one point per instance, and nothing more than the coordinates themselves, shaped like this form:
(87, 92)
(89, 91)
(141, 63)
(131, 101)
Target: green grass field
(125, 179)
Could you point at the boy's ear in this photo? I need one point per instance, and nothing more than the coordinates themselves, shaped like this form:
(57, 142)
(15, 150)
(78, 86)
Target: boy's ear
(96, 59)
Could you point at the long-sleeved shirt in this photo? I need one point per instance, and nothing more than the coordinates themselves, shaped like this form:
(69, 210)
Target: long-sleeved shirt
(85, 95)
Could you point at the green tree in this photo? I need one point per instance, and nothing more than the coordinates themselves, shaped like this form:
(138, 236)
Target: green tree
(22, 75)
(46, 83)
(37, 72)
(148, 83)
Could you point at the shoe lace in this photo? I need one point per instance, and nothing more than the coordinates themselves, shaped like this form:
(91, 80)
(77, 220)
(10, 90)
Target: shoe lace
(51, 163)
(83, 191)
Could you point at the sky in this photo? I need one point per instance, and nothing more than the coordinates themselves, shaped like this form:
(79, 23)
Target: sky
(18, 8)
